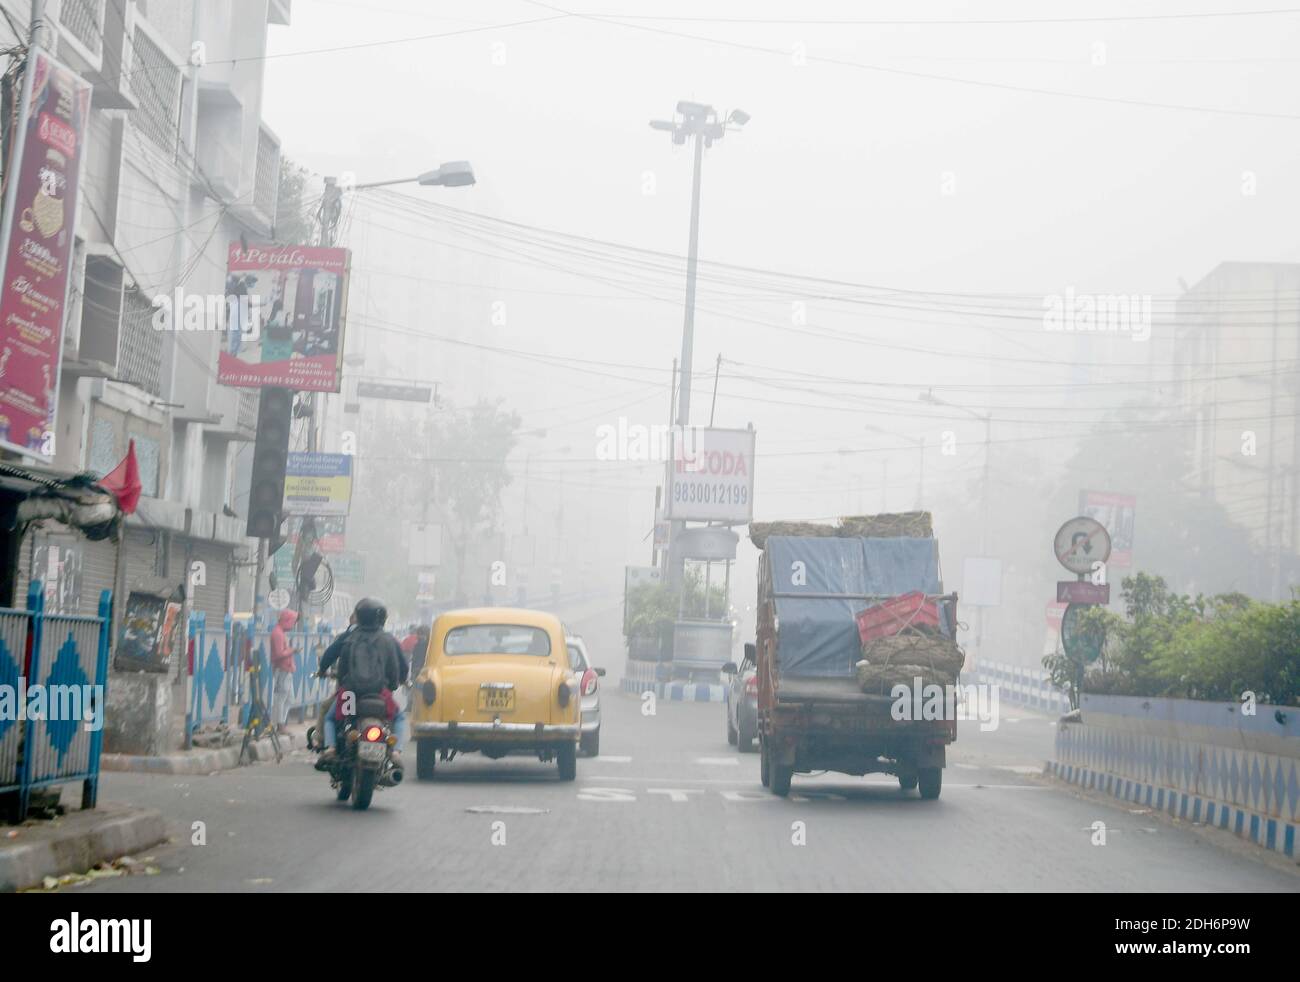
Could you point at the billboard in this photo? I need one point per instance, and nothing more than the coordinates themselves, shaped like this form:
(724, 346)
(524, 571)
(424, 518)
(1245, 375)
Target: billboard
(37, 234)
(317, 484)
(1115, 512)
(298, 297)
(711, 476)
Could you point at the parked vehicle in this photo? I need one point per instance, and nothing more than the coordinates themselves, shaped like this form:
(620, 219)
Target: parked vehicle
(742, 702)
(812, 712)
(365, 761)
(589, 686)
(497, 681)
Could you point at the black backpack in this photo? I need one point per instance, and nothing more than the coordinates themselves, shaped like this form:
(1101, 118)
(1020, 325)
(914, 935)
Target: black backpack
(368, 653)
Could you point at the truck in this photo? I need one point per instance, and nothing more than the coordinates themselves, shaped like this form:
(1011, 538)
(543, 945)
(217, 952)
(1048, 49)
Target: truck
(813, 714)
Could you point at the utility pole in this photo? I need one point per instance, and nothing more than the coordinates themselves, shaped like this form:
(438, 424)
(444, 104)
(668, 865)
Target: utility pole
(37, 26)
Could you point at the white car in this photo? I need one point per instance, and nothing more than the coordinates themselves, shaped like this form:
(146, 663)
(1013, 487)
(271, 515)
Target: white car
(589, 686)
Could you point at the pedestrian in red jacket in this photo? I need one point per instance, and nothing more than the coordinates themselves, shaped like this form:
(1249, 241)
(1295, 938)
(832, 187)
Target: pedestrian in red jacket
(282, 668)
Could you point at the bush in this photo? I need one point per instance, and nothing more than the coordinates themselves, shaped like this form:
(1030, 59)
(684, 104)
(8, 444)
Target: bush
(1214, 648)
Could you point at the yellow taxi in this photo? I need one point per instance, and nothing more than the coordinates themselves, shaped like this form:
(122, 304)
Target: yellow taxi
(496, 680)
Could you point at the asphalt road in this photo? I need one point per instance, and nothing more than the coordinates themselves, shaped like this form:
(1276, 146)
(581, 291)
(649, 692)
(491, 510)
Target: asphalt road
(670, 806)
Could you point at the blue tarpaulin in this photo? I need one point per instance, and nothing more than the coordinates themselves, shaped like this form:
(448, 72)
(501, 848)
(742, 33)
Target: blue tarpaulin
(819, 584)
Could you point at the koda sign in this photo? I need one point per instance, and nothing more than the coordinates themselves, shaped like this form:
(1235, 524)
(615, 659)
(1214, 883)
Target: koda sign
(711, 476)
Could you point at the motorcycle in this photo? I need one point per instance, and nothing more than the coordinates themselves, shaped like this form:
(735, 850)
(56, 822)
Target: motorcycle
(364, 760)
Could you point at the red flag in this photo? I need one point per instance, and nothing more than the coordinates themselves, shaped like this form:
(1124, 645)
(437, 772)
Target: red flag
(124, 481)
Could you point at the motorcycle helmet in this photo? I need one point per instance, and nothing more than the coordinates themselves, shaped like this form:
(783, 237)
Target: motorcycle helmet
(370, 613)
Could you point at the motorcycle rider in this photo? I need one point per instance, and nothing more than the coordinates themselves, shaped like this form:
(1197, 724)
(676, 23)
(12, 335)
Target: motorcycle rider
(365, 637)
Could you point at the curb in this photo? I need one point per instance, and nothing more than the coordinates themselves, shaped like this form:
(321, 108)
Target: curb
(1273, 834)
(677, 691)
(199, 761)
(86, 839)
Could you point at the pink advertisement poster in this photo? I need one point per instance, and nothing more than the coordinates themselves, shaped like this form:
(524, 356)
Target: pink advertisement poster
(293, 299)
(40, 216)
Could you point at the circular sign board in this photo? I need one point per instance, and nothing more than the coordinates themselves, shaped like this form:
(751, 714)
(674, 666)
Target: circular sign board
(278, 599)
(1078, 647)
(1080, 542)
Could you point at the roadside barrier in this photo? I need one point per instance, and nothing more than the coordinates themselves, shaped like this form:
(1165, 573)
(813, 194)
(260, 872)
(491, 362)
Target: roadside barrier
(67, 656)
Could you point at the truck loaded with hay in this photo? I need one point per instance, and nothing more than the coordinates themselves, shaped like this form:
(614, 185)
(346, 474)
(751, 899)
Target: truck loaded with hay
(853, 627)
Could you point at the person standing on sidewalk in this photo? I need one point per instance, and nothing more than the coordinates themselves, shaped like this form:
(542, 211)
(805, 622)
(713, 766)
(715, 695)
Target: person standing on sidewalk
(282, 669)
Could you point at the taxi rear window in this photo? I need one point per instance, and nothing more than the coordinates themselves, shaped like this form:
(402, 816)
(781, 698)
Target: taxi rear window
(497, 639)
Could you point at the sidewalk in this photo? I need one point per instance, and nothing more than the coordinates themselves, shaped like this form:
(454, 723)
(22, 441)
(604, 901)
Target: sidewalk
(206, 760)
(75, 843)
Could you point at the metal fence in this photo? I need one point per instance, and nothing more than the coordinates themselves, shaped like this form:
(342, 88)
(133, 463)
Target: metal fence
(54, 668)
(232, 661)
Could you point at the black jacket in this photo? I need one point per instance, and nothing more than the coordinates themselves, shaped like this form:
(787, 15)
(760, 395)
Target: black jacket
(395, 667)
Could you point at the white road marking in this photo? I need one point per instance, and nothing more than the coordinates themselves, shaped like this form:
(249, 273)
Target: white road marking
(1020, 768)
(965, 767)
(606, 794)
(718, 761)
(676, 794)
(506, 810)
(609, 759)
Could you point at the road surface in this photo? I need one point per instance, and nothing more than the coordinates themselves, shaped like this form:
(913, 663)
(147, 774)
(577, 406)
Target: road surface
(670, 806)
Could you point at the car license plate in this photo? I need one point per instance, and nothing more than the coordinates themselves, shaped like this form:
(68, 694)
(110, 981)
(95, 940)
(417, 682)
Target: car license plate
(496, 698)
(372, 751)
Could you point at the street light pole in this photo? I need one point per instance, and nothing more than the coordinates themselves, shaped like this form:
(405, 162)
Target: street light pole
(692, 259)
(701, 123)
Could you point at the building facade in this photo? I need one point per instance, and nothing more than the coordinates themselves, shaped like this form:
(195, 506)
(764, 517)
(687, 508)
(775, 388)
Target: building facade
(178, 165)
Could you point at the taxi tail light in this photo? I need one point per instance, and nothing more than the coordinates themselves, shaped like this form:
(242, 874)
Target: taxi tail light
(562, 695)
(589, 683)
(429, 691)
(374, 734)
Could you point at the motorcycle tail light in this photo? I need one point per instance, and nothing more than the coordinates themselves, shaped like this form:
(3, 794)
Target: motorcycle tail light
(374, 733)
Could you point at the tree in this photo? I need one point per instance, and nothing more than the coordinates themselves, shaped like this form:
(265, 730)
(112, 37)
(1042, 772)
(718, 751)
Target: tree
(473, 444)
(294, 220)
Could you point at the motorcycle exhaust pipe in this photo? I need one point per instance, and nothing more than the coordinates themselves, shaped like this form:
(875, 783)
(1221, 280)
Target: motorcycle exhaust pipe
(393, 777)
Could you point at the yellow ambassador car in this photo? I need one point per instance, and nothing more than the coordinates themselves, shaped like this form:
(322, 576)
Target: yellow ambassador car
(496, 680)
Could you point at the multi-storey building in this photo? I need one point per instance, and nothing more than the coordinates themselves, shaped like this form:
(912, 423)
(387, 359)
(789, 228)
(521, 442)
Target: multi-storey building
(178, 165)
(1238, 350)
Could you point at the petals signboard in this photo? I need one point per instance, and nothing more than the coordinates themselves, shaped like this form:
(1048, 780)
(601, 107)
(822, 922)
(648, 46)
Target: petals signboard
(298, 297)
(38, 231)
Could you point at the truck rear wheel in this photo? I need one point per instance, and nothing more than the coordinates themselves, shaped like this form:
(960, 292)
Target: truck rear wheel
(931, 780)
(781, 775)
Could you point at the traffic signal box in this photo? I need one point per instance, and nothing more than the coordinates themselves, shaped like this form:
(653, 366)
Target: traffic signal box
(270, 454)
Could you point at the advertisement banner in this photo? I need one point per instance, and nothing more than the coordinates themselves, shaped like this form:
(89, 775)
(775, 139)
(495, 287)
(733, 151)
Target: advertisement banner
(1116, 513)
(297, 297)
(317, 484)
(711, 476)
(37, 234)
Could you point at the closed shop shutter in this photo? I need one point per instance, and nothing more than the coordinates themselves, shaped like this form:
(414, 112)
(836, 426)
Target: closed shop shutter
(81, 570)
(213, 597)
